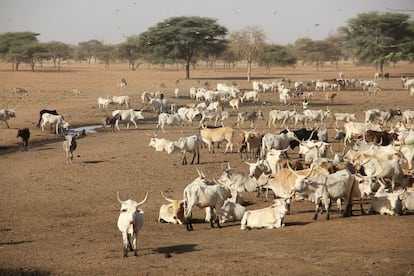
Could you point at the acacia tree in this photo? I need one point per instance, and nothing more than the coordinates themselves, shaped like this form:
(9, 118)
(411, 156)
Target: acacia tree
(248, 42)
(58, 51)
(19, 47)
(276, 55)
(376, 37)
(184, 38)
(88, 49)
(131, 52)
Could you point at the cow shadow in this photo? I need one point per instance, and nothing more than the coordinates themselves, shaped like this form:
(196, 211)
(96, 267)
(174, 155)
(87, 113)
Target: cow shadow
(297, 223)
(94, 161)
(176, 249)
(14, 242)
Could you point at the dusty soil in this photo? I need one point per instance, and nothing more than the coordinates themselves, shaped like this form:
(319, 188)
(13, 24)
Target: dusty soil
(61, 219)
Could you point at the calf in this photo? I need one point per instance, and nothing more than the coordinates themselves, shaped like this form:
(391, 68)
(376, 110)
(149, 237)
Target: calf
(130, 222)
(24, 133)
(110, 121)
(69, 145)
(104, 102)
(268, 218)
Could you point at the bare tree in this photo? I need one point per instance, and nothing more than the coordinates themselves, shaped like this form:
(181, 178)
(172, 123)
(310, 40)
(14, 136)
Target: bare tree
(248, 42)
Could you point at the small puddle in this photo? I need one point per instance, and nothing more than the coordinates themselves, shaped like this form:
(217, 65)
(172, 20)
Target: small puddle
(94, 128)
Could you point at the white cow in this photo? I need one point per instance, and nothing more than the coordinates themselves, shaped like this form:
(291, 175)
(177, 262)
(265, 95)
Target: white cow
(53, 119)
(269, 218)
(6, 114)
(104, 102)
(204, 193)
(250, 96)
(189, 144)
(128, 115)
(161, 144)
(323, 188)
(317, 115)
(130, 222)
(231, 211)
(168, 119)
(386, 203)
(121, 100)
(407, 199)
(280, 115)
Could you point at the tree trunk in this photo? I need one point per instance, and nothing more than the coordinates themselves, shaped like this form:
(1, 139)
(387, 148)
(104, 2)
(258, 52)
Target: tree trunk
(187, 71)
(249, 70)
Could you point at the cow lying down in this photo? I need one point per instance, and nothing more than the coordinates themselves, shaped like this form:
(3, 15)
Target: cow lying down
(269, 218)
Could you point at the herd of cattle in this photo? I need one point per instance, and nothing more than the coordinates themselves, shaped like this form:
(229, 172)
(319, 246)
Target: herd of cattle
(371, 168)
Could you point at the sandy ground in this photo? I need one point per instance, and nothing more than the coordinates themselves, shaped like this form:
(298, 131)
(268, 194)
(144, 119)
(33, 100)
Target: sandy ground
(61, 219)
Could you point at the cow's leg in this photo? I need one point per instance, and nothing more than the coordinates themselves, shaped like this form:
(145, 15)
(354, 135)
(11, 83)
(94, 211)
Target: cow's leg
(136, 126)
(328, 207)
(126, 244)
(184, 159)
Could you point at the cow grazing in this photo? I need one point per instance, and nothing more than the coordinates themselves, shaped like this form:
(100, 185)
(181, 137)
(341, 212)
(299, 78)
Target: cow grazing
(6, 114)
(128, 115)
(204, 193)
(130, 222)
(217, 135)
(173, 212)
(268, 218)
(58, 120)
(24, 133)
(103, 102)
(69, 145)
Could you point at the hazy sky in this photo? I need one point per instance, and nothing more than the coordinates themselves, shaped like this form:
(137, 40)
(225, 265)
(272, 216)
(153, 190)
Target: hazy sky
(73, 21)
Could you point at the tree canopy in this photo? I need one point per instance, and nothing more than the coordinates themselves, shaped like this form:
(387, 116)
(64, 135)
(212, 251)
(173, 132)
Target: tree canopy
(184, 38)
(376, 38)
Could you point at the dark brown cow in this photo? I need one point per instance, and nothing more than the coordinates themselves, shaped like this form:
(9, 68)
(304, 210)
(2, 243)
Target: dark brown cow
(380, 137)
